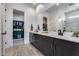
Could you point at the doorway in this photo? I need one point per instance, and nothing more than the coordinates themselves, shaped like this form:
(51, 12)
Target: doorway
(18, 27)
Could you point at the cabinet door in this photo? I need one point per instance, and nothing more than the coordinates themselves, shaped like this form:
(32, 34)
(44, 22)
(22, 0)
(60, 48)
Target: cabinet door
(30, 37)
(76, 52)
(75, 48)
(37, 41)
(63, 51)
(63, 48)
(47, 45)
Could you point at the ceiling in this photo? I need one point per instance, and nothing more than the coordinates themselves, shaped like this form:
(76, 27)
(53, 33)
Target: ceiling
(32, 5)
(61, 5)
(49, 6)
(36, 4)
(41, 6)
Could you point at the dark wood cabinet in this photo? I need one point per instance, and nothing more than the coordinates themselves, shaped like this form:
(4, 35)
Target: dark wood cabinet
(37, 41)
(50, 46)
(63, 48)
(43, 43)
(32, 39)
(66, 48)
(46, 45)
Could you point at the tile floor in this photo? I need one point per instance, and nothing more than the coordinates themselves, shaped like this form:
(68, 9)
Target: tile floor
(22, 50)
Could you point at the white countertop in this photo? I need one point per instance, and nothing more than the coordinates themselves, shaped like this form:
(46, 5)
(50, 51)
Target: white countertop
(55, 35)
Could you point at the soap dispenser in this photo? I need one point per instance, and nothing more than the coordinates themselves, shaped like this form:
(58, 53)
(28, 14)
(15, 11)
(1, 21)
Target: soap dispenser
(38, 28)
(31, 27)
(60, 32)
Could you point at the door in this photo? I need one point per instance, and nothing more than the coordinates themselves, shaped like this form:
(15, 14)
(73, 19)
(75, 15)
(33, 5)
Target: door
(2, 28)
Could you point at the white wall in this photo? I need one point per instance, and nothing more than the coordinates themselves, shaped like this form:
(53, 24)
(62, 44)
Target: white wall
(28, 16)
(37, 18)
(40, 19)
(19, 17)
(0, 29)
(30, 19)
(56, 14)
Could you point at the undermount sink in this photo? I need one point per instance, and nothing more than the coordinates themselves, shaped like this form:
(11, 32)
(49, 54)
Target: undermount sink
(67, 34)
(52, 33)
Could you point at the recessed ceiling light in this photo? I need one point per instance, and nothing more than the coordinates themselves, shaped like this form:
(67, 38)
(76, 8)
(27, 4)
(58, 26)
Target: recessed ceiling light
(57, 3)
(34, 3)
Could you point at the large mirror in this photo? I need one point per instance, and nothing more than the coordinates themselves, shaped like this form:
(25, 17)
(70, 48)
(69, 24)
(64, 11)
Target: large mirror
(72, 21)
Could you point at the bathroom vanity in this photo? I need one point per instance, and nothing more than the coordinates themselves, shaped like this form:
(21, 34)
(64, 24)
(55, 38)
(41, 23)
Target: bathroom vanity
(55, 45)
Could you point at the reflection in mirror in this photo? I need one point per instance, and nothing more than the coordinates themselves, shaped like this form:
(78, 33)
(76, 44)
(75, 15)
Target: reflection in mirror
(72, 21)
(45, 24)
(61, 25)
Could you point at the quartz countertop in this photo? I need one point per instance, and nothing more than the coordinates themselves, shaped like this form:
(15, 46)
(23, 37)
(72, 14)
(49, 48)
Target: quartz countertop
(55, 35)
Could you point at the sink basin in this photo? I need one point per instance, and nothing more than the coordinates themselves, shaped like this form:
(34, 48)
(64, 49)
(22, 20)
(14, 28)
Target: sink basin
(68, 34)
(52, 33)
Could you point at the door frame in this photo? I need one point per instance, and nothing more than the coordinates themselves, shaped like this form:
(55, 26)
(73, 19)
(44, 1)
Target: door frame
(18, 20)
